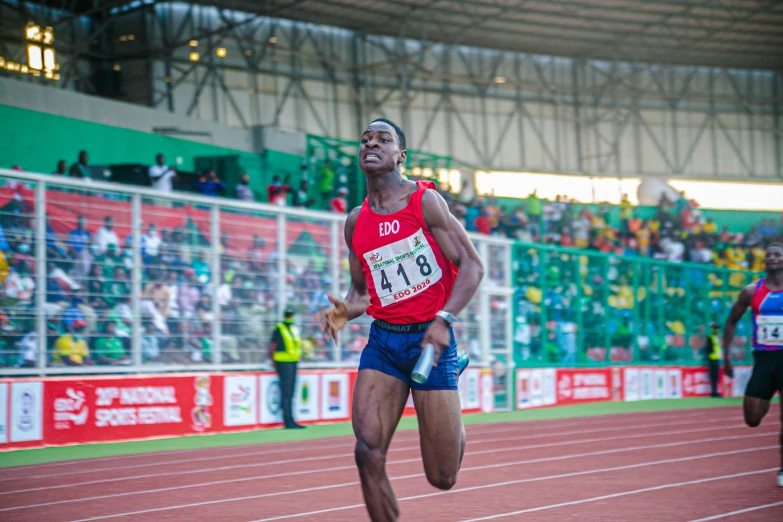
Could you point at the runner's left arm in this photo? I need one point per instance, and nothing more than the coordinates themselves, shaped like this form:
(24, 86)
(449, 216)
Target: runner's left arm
(737, 311)
(455, 244)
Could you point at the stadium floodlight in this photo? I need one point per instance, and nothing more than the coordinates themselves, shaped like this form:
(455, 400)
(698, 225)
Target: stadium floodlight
(35, 57)
(193, 43)
(500, 80)
(220, 52)
(194, 56)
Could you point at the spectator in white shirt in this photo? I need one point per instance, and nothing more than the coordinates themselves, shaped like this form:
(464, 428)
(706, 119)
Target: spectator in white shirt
(19, 285)
(150, 242)
(106, 236)
(161, 175)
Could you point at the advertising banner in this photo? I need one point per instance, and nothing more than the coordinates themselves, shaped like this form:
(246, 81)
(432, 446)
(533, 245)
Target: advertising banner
(240, 400)
(334, 396)
(549, 394)
(648, 391)
(740, 381)
(695, 382)
(26, 411)
(661, 381)
(487, 392)
(524, 399)
(307, 397)
(3, 412)
(675, 383)
(469, 389)
(269, 399)
(89, 410)
(583, 385)
(631, 382)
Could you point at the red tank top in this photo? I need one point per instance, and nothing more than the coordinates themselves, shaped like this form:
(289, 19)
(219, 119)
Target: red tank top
(408, 277)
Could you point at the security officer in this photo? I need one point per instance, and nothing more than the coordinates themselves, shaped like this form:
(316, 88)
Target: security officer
(285, 349)
(714, 356)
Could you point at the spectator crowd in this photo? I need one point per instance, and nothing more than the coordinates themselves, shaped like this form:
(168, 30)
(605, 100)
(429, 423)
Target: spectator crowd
(89, 274)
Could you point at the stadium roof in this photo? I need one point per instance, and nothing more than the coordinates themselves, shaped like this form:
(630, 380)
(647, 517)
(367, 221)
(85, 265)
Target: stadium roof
(728, 33)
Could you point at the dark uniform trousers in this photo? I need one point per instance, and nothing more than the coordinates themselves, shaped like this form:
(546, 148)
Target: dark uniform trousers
(286, 372)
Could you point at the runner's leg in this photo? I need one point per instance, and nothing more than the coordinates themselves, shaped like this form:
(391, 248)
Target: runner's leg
(754, 409)
(378, 402)
(442, 435)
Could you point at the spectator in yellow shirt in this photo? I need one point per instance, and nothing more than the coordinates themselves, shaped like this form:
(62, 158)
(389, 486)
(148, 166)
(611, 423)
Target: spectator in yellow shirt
(710, 227)
(71, 348)
(643, 240)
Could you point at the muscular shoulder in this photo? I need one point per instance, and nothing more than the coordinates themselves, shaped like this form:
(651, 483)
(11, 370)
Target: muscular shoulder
(747, 293)
(434, 209)
(350, 224)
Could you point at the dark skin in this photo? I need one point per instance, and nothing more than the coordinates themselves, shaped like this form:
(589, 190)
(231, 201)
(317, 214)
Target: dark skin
(755, 408)
(379, 399)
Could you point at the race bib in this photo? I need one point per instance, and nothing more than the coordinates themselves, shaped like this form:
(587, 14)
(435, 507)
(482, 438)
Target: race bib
(770, 330)
(403, 269)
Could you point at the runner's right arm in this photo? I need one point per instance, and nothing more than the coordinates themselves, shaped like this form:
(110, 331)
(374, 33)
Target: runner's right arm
(358, 298)
(737, 311)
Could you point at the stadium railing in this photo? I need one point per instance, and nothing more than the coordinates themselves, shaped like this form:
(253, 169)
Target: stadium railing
(583, 308)
(202, 291)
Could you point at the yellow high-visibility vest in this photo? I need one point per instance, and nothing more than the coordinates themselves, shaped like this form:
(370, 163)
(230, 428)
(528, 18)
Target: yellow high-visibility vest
(717, 353)
(292, 343)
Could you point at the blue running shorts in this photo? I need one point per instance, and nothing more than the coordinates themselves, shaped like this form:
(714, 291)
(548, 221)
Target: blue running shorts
(394, 349)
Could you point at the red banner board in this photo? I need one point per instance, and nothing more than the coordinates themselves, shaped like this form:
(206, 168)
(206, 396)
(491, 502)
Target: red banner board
(580, 386)
(100, 409)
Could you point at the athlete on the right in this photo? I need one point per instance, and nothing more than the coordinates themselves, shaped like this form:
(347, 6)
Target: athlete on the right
(765, 298)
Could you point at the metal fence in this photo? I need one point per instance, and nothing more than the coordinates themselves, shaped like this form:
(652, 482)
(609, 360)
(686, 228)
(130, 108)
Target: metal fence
(108, 278)
(575, 307)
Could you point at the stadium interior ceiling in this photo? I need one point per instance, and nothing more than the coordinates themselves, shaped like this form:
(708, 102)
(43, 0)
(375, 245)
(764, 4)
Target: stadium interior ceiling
(604, 87)
(729, 33)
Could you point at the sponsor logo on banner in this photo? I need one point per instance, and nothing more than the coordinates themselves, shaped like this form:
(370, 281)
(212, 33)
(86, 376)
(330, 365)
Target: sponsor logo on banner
(523, 389)
(239, 400)
(3, 412)
(536, 388)
(695, 382)
(26, 411)
(740, 381)
(617, 384)
(200, 414)
(472, 400)
(548, 386)
(574, 386)
(71, 410)
(564, 387)
(631, 377)
(675, 384)
(270, 400)
(487, 393)
(306, 397)
(116, 406)
(334, 396)
(660, 384)
(647, 385)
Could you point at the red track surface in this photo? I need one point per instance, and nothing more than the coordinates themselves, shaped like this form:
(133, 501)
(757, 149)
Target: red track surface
(683, 465)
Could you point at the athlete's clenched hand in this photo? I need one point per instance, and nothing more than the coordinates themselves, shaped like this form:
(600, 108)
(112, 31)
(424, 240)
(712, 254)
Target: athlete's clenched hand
(335, 319)
(439, 335)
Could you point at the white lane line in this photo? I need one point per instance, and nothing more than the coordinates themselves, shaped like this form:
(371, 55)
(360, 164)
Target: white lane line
(463, 470)
(537, 479)
(411, 448)
(626, 493)
(739, 512)
(491, 428)
(343, 445)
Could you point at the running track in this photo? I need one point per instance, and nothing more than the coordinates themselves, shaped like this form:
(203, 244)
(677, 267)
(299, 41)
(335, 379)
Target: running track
(678, 465)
